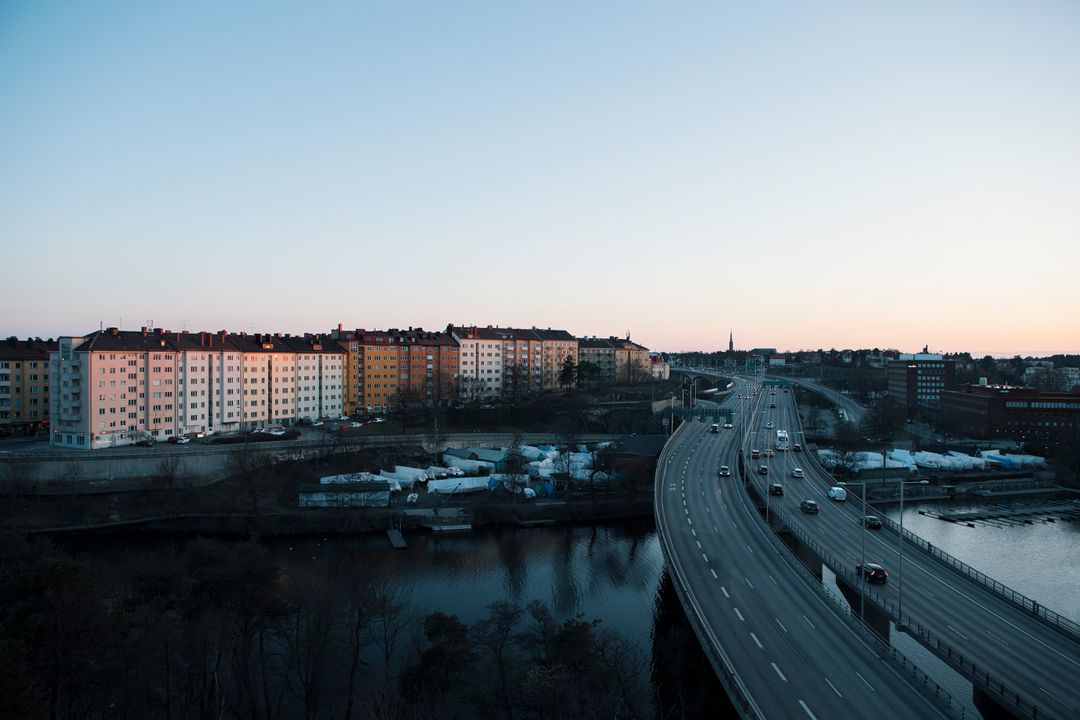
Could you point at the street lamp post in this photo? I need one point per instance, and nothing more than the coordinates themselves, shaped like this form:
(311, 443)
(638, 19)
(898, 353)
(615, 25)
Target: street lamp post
(900, 561)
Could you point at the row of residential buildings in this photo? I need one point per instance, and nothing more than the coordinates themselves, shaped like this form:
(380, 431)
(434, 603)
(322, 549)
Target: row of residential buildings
(116, 387)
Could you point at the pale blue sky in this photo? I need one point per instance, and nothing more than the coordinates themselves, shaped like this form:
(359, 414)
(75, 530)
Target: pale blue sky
(810, 175)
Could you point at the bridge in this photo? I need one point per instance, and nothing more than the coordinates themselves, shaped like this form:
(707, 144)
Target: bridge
(748, 565)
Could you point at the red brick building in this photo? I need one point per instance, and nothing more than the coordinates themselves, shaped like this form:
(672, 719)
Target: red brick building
(1010, 412)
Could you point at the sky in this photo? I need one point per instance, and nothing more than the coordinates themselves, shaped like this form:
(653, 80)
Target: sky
(805, 175)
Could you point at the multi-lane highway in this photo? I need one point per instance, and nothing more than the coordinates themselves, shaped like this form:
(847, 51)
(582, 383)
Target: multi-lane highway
(984, 636)
(783, 648)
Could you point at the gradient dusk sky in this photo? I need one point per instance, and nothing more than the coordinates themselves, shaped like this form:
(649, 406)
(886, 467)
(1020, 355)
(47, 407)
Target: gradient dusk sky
(842, 174)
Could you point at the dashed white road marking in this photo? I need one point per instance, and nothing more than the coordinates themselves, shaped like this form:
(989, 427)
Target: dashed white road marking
(740, 615)
(808, 622)
(758, 642)
(833, 687)
(780, 624)
(865, 683)
(774, 667)
(957, 631)
(705, 557)
(749, 583)
(724, 590)
(812, 715)
(713, 574)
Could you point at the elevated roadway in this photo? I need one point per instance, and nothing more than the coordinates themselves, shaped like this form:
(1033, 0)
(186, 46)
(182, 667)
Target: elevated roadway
(781, 644)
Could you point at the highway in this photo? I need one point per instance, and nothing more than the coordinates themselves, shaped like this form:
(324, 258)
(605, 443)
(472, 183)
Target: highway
(788, 650)
(1037, 664)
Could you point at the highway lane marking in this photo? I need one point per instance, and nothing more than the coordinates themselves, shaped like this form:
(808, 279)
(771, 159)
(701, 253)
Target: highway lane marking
(706, 508)
(739, 614)
(780, 624)
(734, 525)
(724, 590)
(698, 544)
(750, 549)
(957, 632)
(774, 667)
(758, 642)
(714, 577)
(693, 532)
(997, 637)
(774, 581)
(833, 687)
(865, 683)
(706, 557)
(808, 622)
(749, 583)
(1051, 695)
(812, 715)
(689, 520)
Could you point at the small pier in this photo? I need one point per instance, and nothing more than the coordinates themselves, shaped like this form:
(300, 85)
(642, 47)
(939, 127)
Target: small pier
(1017, 513)
(396, 539)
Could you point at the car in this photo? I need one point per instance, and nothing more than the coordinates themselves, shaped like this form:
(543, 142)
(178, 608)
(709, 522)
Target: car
(182, 440)
(728, 426)
(725, 471)
(343, 417)
(796, 447)
(772, 405)
(355, 424)
(145, 443)
(317, 423)
(715, 428)
(770, 425)
(769, 453)
(797, 472)
(776, 489)
(809, 507)
(872, 572)
(837, 493)
(872, 521)
(763, 470)
(701, 418)
(174, 439)
(378, 420)
(755, 454)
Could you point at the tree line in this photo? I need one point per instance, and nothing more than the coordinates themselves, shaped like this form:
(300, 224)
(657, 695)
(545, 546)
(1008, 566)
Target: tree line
(220, 630)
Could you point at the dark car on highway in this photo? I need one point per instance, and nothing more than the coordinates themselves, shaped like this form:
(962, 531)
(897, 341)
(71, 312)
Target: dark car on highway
(809, 506)
(776, 489)
(872, 572)
(872, 521)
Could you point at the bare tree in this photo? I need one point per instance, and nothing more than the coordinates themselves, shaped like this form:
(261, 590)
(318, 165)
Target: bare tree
(169, 468)
(246, 464)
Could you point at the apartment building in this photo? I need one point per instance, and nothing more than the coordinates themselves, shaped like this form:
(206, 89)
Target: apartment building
(391, 365)
(115, 387)
(558, 347)
(24, 385)
(480, 360)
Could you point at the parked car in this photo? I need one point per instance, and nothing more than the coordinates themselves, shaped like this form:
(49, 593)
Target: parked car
(174, 439)
(182, 439)
(776, 489)
(725, 471)
(872, 521)
(797, 472)
(809, 506)
(872, 572)
(145, 443)
(837, 493)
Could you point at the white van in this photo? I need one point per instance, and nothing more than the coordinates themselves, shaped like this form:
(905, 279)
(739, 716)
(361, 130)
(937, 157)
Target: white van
(837, 493)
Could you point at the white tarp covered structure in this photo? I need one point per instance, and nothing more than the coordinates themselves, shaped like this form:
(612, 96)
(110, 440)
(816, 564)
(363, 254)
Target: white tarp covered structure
(1013, 462)
(458, 485)
(414, 473)
(469, 466)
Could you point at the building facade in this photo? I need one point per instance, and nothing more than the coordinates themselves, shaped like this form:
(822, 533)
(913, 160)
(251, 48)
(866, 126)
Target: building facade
(24, 385)
(916, 381)
(998, 412)
(389, 366)
(116, 387)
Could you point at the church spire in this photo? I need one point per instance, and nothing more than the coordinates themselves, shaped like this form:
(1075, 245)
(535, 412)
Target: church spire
(731, 342)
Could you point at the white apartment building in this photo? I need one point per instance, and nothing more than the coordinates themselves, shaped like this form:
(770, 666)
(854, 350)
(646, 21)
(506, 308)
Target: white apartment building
(117, 387)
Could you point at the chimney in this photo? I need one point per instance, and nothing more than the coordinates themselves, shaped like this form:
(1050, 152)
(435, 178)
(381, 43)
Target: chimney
(143, 329)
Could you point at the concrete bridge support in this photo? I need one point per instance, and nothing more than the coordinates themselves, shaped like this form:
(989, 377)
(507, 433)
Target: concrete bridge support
(876, 618)
(989, 708)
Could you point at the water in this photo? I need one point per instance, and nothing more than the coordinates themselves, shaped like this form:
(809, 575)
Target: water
(1037, 560)
(610, 573)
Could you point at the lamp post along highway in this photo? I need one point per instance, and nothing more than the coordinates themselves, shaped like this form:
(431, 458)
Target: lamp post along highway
(900, 561)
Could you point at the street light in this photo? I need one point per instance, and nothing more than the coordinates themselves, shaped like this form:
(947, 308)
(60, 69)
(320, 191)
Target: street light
(900, 562)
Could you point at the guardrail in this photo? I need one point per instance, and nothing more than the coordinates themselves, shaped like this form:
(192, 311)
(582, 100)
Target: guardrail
(967, 667)
(931, 687)
(725, 670)
(1043, 614)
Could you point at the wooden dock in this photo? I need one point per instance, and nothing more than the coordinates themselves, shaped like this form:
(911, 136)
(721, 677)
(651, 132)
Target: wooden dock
(396, 539)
